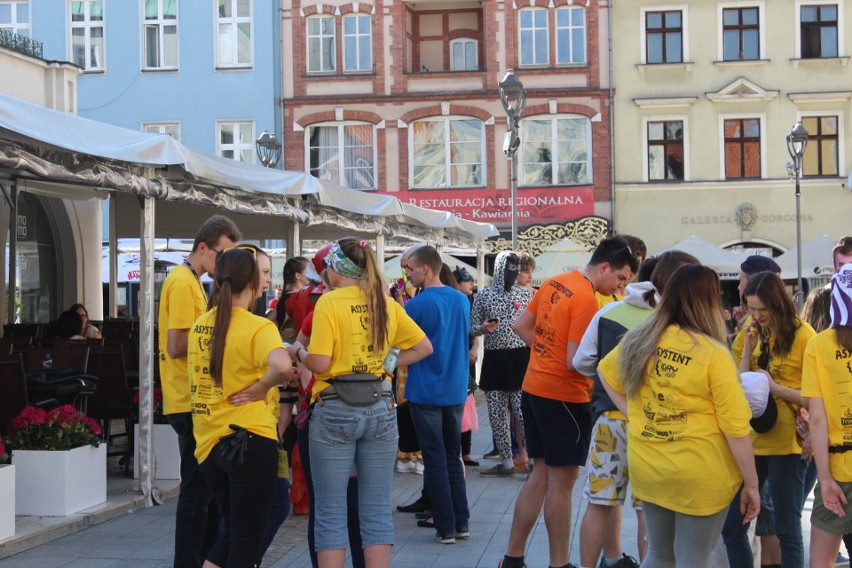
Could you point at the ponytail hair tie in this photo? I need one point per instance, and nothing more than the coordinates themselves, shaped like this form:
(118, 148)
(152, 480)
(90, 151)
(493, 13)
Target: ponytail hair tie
(362, 244)
(226, 279)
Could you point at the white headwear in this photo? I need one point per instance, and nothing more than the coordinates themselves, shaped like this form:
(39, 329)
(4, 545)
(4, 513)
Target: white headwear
(756, 387)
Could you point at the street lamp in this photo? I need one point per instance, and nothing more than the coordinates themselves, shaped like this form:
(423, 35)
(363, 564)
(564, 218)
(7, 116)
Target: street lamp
(513, 97)
(797, 141)
(268, 149)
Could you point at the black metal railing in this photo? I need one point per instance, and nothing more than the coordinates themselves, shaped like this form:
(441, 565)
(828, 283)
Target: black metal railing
(21, 44)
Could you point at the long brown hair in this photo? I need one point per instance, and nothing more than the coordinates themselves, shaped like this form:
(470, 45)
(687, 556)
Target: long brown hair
(770, 290)
(236, 270)
(667, 264)
(817, 308)
(372, 284)
(692, 302)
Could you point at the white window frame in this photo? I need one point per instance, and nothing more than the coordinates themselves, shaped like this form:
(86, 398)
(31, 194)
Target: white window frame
(553, 144)
(308, 38)
(761, 22)
(356, 36)
(15, 26)
(546, 29)
(684, 10)
(160, 23)
(841, 137)
(645, 145)
(171, 128)
(571, 29)
(234, 21)
(236, 146)
(87, 25)
(841, 24)
(764, 136)
(341, 175)
(464, 41)
(483, 182)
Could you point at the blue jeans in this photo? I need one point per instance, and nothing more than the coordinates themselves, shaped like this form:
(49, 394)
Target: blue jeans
(353, 524)
(197, 519)
(439, 433)
(343, 436)
(786, 476)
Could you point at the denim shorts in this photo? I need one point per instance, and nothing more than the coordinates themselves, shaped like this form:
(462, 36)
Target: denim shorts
(342, 436)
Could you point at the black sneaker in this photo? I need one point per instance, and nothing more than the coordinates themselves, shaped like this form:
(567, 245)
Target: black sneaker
(492, 455)
(625, 562)
(498, 470)
(450, 539)
(462, 533)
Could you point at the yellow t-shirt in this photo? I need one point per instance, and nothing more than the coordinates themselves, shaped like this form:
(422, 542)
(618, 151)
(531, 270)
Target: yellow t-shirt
(182, 301)
(341, 331)
(827, 374)
(678, 455)
(786, 371)
(248, 344)
(604, 300)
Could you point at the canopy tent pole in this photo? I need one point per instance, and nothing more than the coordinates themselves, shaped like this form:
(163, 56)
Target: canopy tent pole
(480, 265)
(11, 290)
(294, 239)
(147, 467)
(113, 260)
(380, 249)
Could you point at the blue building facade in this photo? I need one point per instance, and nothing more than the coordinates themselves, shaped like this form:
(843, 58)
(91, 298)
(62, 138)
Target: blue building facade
(204, 71)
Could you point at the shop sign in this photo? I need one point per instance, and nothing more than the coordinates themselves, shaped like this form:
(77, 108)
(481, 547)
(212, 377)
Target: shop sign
(494, 205)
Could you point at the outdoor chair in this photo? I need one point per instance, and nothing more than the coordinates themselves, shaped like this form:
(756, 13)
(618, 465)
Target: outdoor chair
(14, 395)
(113, 399)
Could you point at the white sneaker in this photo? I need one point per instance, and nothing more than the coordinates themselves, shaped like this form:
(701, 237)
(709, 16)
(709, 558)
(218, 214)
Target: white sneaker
(418, 467)
(407, 466)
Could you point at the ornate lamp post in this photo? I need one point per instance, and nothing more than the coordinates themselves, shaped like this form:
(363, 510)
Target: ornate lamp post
(513, 97)
(268, 149)
(797, 141)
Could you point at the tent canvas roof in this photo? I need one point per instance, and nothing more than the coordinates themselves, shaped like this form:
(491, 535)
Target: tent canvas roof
(393, 272)
(561, 256)
(817, 260)
(725, 262)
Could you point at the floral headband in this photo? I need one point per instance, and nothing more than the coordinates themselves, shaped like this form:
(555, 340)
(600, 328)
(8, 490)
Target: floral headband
(342, 264)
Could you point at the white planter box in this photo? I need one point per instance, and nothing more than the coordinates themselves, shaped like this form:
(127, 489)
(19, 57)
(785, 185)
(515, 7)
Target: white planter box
(7, 501)
(166, 452)
(57, 484)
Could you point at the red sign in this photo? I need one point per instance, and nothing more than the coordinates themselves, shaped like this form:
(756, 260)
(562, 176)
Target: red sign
(494, 205)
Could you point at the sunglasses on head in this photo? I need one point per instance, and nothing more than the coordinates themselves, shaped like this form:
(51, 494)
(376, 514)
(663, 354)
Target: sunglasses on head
(246, 248)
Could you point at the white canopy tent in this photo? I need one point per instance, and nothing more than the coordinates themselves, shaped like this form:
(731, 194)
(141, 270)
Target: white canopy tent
(561, 256)
(393, 271)
(725, 262)
(817, 259)
(64, 156)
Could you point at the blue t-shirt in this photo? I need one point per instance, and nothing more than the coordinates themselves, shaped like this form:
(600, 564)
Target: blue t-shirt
(440, 379)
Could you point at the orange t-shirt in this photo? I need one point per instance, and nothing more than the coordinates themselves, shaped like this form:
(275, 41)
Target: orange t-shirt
(563, 308)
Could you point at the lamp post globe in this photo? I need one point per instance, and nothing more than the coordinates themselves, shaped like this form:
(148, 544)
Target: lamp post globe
(268, 149)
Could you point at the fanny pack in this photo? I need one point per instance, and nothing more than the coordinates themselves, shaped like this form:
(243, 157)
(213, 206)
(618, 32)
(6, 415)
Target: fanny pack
(357, 390)
(839, 449)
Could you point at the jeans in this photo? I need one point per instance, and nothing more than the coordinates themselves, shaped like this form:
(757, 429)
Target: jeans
(342, 436)
(786, 475)
(352, 522)
(243, 492)
(197, 519)
(439, 433)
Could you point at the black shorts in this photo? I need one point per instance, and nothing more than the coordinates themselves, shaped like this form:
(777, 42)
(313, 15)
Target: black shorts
(559, 432)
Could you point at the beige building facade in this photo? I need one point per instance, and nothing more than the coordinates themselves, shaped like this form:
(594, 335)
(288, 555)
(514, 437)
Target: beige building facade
(706, 93)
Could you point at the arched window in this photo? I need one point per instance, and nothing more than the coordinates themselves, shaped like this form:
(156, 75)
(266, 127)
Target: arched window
(343, 153)
(447, 152)
(556, 150)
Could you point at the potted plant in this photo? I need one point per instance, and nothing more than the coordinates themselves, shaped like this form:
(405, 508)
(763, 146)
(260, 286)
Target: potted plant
(7, 494)
(60, 462)
(164, 441)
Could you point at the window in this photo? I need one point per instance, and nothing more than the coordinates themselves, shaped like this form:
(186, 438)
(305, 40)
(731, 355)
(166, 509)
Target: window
(235, 140)
(464, 55)
(15, 17)
(160, 34)
(821, 155)
(233, 26)
(170, 128)
(447, 152)
(343, 153)
(87, 34)
(740, 34)
(534, 37)
(742, 148)
(556, 151)
(357, 43)
(664, 37)
(819, 31)
(321, 45)
(570, 35)
(665, 150)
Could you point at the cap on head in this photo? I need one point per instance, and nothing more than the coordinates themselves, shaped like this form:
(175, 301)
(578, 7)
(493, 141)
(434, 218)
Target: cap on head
(756, 263)
(462, 275)
(318, 263)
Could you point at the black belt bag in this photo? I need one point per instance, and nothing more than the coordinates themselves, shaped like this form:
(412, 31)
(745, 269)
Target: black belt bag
(357, 390)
